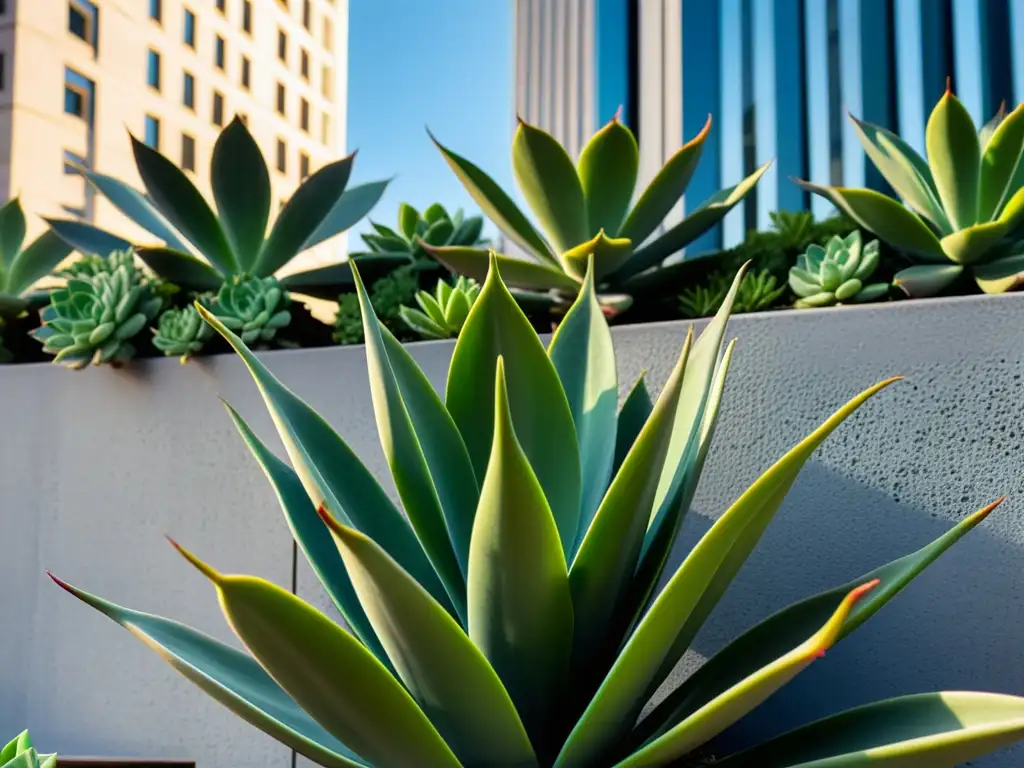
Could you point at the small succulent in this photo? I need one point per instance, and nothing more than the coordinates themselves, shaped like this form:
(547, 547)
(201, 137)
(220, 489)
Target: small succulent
(442, 313)
(387, 295)
(837, 273)
(21, 268)
(960, 211)
(255, 308)
(19, 753)
(105, 303)
(433, 227)
(757, 292)
(203, 245)
(588, 208)
(181, 331)
(520, 607)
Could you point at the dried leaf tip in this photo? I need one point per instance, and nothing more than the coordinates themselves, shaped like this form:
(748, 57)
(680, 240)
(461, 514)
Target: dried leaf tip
(617, 118)
(207, 570)
(949, 85)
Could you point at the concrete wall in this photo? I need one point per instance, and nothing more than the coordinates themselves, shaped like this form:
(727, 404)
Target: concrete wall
(97, 466)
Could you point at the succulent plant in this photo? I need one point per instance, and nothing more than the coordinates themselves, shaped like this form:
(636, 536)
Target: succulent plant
(181, 332)
(757, 292)
(585, 209)
(433, 227)
(105, 303)
(837, 273)
(19, 753)
(202, 248)
(255, 308)
(962, 210)
(511, 616)
(442, 313)
(21, 268)
(387, 295)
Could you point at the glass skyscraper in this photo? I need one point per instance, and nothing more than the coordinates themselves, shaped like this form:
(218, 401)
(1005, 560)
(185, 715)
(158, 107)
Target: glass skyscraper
(777, 76)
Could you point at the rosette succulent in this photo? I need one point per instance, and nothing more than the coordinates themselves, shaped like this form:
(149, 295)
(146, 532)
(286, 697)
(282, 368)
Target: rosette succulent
(962, 210)
(105, 303)
(255, 308)
(434, 227)
(19, 753)
(837, 273)
(442, 313)
(181, 331)
(757, 292)
(510, 614)
(587, 209)
(202, 246)
(387, 295)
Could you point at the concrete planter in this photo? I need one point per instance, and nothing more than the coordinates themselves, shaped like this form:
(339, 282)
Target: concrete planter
(98, 466)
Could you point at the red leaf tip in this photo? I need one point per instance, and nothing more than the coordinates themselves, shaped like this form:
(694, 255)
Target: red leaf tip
(59, 582)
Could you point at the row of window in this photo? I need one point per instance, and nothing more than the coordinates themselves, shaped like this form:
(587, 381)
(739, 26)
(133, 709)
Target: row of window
(156, 13)
(188, 150)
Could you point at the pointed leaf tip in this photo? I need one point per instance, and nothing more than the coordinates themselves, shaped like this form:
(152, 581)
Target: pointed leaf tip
(207, 570)
(61, 583)
(984, 512)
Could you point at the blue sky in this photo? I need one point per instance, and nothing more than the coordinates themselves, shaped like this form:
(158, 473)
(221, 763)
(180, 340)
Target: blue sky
(412, 64)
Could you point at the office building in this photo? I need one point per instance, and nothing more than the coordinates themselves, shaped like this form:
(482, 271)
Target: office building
(778, 76)
(77, 75)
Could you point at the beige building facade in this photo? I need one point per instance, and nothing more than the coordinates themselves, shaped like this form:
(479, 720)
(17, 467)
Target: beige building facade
(76, 76)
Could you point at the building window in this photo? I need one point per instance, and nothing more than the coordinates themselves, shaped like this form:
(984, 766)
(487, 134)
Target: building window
(82, 21)
(282, 156)
(304, 115)
(247, 16)
(188, 153)
(327, 82)
(280, 99)
(304, 64)
(72, 162)
(246, 72)
(188, 94)
(190, 29)
(3, 7)
(220, 53)
(3, 71)
(218, 109)
(152, 137)
(303, 166)
(307, 14)
(78, 95)
(328, 34)
(325, 129)
(156, 10)
(153, 69)
(282, 46)
(222, 6)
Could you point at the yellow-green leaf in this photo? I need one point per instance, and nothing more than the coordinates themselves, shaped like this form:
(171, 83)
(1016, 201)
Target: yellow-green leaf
(444, 671)
(607, 170)
(520, 609)
(609, 254)
(999, 164)
(972, 244)
(955, 159)
(517, 273)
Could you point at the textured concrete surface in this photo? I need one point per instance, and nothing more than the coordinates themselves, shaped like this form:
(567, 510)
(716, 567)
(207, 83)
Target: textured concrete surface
(129, 456)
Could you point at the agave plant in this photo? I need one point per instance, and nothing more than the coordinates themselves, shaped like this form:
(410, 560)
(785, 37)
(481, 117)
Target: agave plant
(837, 273)
(442, 314)
(105, 304)
(964, 205)
(510, 616)
(201, 249)
(21, 267)
(585, 210)
(19, 753)
(434, 227)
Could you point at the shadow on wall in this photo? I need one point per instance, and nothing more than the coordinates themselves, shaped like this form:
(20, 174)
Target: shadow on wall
(956, 627)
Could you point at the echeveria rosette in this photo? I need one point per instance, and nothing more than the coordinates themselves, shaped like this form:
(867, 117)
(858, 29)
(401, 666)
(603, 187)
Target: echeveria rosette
(837, 273)
(433, 227)
(181, 332)
(586, 209)
(21, 265)
(962, 208)
(199, 246)
(103, 306)
(19, 753)
(255, 308)
(508, 612)
(442, 313)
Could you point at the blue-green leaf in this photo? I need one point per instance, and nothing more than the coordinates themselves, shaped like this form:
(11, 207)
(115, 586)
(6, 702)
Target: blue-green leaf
(241, 187)
(350, 209)
(181, 269)
(632, 416)
(36, 261)
(87, 239)
(12, 231)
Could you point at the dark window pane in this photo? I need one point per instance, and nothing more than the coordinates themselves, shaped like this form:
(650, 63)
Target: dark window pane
(282, 156)
(304, 115)
(156, 10)
(152, 132)
(307, 14)
(222, 6)
(153, 70)
(190, 29)
(304, 63)
(219, 53)
(247, 16)
(218, 109)
(189, 91)
(246, 73)
(188, 152)
(280, 99)
(303, 165)
(282, 45)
